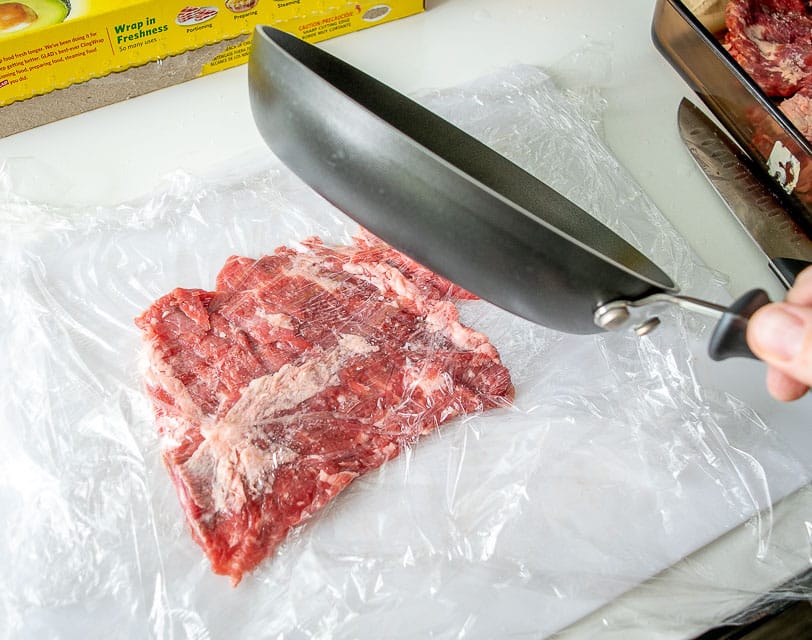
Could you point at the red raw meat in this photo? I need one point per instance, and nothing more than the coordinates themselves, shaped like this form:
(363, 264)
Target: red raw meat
(772, 40)
(302, 371)
(798, 109)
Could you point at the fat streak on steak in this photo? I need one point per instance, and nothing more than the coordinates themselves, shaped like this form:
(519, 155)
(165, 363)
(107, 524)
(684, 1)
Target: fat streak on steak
(303, 370)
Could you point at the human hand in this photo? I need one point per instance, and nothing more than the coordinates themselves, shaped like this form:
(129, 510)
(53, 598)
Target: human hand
(780, 334)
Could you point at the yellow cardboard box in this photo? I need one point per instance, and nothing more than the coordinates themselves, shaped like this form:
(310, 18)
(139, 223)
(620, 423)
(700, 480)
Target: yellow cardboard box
(58, 57)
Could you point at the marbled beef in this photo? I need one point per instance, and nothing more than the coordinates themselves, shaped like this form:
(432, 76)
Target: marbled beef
(772, 40)
(303, 370)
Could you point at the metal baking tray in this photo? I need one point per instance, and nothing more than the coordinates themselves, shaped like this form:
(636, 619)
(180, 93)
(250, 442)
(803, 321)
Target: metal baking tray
(779, 150)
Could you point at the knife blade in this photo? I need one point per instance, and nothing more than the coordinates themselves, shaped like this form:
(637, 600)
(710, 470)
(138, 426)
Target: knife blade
(787, 248)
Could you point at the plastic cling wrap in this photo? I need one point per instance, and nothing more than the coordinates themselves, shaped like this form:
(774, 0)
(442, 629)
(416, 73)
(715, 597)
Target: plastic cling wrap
(619, 456)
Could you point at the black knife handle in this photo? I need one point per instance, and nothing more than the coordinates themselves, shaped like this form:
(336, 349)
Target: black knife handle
(729, 339)
(789, 268)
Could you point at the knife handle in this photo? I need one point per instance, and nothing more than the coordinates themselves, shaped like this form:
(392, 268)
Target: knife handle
(729, 339)
(788, 269)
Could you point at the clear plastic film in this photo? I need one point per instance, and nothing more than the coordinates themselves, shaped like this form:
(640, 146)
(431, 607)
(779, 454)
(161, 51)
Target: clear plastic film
(619, 458)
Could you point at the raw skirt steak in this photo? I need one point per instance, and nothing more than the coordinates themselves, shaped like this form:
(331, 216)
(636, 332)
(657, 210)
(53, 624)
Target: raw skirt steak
(301, 371)
(772, 40)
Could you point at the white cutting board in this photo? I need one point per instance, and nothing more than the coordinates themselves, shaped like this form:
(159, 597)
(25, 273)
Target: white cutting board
(620, 457)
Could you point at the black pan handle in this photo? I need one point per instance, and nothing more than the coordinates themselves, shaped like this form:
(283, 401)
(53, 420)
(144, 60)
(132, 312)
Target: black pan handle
(729, 339)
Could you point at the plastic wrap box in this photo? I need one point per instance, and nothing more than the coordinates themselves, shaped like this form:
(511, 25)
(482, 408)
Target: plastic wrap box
(62, 57)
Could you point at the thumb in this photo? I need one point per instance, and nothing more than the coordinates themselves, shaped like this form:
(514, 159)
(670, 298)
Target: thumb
(781, 335)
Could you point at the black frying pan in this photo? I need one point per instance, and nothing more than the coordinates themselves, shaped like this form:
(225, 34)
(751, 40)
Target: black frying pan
(455, 205)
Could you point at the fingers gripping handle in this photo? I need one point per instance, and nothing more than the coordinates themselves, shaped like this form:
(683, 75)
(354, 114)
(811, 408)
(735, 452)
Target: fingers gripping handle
(729, 339)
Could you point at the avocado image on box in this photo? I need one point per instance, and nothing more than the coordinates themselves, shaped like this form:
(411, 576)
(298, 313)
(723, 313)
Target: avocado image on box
(31, 14)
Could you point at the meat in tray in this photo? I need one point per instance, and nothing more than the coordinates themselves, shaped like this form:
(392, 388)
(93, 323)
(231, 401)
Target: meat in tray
(751, 64)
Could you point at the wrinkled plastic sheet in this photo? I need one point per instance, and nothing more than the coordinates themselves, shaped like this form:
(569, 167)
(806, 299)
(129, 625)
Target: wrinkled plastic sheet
(620, 455)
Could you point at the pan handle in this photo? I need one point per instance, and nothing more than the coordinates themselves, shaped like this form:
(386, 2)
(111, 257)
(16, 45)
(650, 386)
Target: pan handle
(729, 338)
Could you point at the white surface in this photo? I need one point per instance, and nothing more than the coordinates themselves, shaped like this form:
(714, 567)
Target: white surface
(123, 151)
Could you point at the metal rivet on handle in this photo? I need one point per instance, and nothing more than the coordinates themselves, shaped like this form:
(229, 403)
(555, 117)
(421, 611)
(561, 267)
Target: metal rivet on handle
(612, 318)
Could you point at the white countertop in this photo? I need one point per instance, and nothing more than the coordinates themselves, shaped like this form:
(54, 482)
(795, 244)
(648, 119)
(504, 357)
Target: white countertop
(123, 151)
